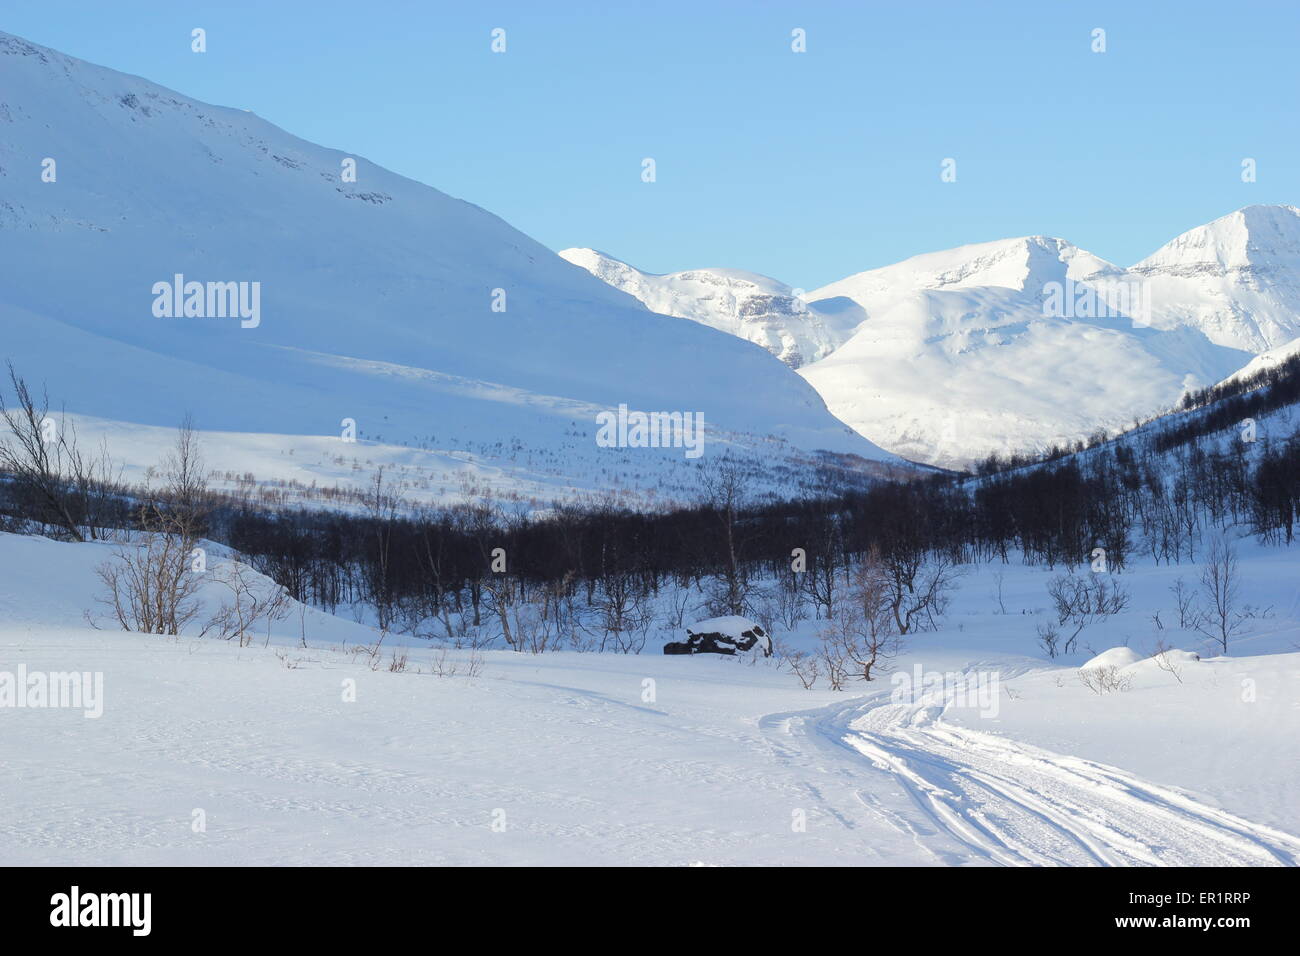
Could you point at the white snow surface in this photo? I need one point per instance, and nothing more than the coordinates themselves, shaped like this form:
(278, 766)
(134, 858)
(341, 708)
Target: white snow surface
(574, 759)
(732, 625)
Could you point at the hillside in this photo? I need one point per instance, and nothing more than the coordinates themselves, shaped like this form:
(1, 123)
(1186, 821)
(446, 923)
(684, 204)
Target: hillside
(464, 351)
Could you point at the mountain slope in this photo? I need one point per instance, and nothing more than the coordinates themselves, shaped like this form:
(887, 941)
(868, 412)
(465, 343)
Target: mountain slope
(376, 297)
(750, 306)
(944, 377)
(958, 356)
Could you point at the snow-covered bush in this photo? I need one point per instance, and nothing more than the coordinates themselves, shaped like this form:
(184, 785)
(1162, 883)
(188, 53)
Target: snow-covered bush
(1104, 680)
(1106, 672)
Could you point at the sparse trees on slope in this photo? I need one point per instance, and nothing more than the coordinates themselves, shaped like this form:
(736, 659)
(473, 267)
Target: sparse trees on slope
(251, 600)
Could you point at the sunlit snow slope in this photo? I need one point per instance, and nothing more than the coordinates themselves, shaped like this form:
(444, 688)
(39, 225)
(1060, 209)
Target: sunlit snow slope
(959, 357)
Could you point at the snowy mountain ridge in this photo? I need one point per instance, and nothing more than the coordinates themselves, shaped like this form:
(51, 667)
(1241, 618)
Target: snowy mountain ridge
(1016, 345)
(747, 305)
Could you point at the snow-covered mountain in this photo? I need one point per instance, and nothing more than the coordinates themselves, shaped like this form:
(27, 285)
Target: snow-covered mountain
(753, 307)
(1237, 279)
(458, 344)
(1004, 347)
(1018, 344)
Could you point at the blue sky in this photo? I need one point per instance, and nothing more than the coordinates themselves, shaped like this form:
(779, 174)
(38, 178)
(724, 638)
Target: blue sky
(807, 167)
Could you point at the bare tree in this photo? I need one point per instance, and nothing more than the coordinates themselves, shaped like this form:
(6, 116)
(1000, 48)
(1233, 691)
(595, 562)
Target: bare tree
(533, 620)
(34, 453)
(1185, 598)
(1080, 600)
(1105, 680)
(1164, 661)
(805, 666)
(1049, 638)
(185, 498)
(147, 588)
(860, 635)
(152, 581)
(503, 595)
(828, 561)
(998, 580)
(623, 613)
(1220, 619)
(383, 504)
(726, 492)
(917, 588)
(93, 478)
(252, 599)
(677, 602)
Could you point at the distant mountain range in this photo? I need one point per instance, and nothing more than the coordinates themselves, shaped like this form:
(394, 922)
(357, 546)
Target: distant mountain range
(1014, 345)
(468, 355)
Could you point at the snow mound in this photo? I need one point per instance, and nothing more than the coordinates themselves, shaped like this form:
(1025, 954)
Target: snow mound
(1173, 657)
(1115, 657)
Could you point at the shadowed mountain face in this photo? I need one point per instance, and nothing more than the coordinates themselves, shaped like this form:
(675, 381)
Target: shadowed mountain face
(425, 318)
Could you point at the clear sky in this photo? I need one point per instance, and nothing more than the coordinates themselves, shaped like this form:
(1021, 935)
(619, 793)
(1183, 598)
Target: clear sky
(804, 166)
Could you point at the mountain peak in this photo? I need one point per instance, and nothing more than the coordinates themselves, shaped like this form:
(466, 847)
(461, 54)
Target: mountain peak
(1259, 236)
(754, 307)
(1021, 263)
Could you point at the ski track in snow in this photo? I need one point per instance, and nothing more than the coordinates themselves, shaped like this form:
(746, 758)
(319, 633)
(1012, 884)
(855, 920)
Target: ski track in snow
(978, 798)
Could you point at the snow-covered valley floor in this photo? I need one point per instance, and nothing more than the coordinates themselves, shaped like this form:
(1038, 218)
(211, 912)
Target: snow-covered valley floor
(209, 754)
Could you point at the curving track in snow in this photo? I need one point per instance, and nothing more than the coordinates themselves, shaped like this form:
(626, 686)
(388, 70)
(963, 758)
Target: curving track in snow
(980, 798)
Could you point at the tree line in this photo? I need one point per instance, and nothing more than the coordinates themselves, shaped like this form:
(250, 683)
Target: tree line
(486, 570)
